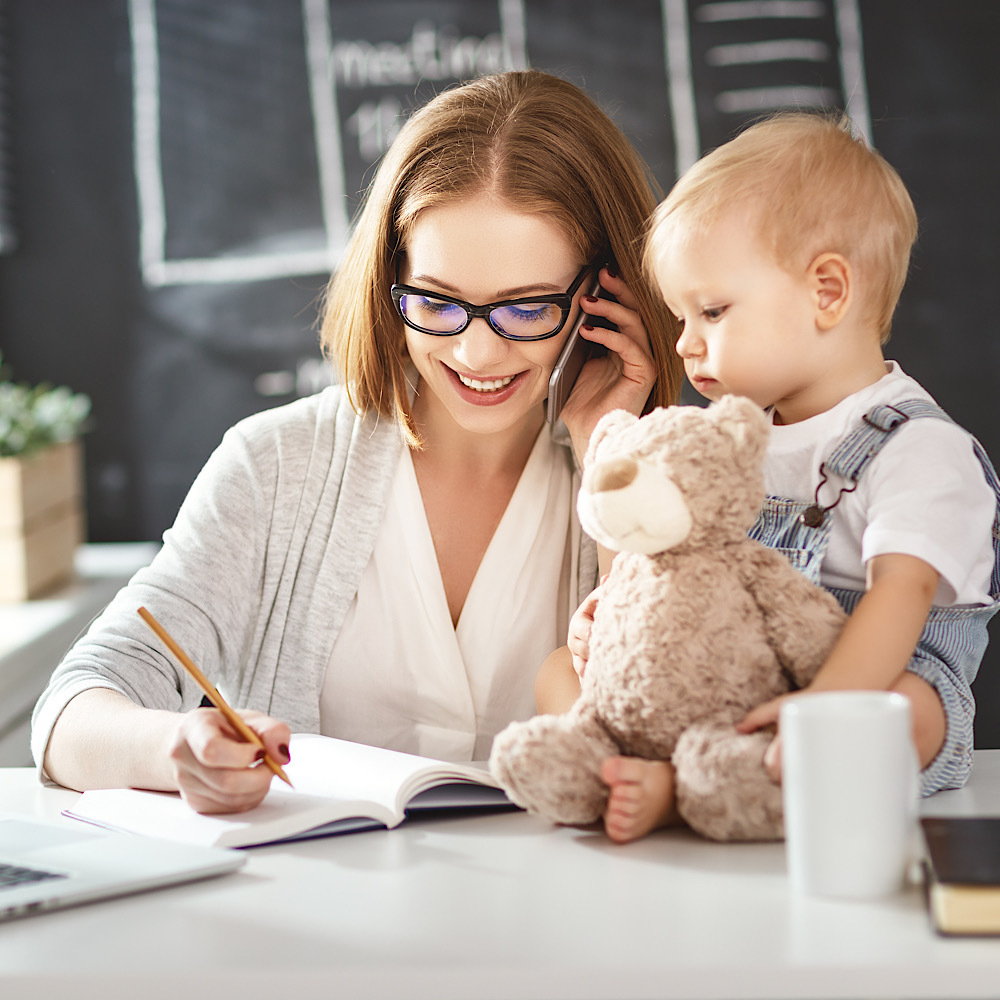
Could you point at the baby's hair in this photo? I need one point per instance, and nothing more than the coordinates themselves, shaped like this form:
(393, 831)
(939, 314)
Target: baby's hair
(533, 140)
(811, 185)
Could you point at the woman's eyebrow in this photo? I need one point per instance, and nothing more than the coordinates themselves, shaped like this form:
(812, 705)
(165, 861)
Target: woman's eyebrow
(541, 287)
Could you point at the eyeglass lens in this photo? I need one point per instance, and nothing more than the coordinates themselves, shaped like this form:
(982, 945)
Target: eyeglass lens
(524, 320)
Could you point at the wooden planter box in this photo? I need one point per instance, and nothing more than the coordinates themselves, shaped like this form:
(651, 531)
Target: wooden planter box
(41, 520)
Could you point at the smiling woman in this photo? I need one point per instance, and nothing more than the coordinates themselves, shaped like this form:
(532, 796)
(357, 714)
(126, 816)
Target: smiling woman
(390, 561)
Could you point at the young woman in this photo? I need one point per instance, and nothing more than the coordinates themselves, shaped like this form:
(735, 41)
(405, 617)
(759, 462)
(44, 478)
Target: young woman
(390, 560)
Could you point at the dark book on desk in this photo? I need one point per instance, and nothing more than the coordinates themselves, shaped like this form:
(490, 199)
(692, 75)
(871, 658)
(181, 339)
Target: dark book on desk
(963, 873)
(339, 787)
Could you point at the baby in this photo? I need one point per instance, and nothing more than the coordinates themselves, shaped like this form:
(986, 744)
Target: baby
(783, 254)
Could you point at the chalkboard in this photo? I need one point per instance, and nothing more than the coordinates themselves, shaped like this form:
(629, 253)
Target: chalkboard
(178, 178)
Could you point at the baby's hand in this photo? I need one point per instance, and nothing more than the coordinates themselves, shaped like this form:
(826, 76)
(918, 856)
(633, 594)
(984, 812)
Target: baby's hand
(772, 759)
(580, 626)
(762, 717)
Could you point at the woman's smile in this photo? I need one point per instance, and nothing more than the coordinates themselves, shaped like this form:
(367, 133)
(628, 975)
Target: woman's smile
(485, 385)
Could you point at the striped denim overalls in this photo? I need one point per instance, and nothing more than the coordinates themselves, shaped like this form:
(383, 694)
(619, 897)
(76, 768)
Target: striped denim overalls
(952, 644)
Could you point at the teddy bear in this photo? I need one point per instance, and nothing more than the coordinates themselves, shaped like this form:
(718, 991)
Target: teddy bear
(696, 624)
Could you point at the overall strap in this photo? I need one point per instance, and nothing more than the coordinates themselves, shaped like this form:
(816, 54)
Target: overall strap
(849, 459)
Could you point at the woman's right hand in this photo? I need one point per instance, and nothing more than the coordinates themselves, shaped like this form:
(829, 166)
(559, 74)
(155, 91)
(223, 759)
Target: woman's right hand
(215, 770)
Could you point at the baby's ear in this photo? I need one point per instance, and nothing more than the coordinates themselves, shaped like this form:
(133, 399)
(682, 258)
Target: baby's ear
(831, 283)
(611, 422)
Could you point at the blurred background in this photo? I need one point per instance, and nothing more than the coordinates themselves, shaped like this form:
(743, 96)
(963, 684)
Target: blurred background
(178, 178)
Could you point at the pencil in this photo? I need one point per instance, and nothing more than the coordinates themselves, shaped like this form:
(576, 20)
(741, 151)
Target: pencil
(212, 693)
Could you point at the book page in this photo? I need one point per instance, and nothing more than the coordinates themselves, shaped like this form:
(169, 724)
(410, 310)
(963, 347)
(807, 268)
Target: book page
(333, 780)
(321, 765)
(167, 815)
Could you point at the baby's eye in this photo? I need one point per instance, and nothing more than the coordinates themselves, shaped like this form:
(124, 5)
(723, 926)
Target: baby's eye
(713, 313)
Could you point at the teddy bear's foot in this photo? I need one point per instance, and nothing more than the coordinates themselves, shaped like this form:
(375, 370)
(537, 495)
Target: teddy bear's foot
(723, 791)
(551, 765)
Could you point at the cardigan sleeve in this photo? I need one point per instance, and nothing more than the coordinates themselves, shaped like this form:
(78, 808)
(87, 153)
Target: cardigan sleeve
(203, 587)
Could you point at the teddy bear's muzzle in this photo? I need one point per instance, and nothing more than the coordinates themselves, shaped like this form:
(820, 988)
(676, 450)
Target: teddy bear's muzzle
(632, 505)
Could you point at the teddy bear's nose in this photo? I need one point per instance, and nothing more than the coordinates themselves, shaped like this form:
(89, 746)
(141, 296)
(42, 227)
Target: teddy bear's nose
(614, 474)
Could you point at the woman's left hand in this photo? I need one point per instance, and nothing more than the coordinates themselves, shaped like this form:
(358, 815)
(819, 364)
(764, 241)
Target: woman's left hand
(622, 379)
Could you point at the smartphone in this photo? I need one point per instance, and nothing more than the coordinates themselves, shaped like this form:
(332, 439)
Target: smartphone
(575, 353)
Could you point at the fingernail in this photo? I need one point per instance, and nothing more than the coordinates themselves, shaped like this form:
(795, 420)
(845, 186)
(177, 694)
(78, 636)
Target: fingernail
(260, 755)
(590, 298)
(284, 751)
(611, 274)
(587, 327)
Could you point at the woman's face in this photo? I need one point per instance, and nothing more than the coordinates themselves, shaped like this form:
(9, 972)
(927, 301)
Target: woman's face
(482, 250)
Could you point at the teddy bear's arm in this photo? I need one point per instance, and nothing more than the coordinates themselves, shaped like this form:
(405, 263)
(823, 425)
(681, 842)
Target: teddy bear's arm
(802, 620)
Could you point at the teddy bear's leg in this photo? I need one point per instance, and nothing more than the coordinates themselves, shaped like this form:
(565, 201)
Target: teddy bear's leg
(723, 791)
(551, 765)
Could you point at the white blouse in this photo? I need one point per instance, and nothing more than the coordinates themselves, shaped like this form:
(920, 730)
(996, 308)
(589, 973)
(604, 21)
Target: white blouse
(401, 676)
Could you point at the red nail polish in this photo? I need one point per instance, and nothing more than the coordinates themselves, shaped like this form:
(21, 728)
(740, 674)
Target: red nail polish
(587, 327)
(590, 298)
(611, 274)
(283, 749)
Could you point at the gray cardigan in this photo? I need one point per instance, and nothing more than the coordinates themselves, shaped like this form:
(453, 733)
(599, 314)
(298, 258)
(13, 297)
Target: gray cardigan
(257, 573)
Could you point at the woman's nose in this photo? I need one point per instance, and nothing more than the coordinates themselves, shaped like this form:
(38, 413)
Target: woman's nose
(479, 347)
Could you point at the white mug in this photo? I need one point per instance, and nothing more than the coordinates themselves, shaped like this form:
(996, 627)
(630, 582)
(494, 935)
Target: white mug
(849, 790)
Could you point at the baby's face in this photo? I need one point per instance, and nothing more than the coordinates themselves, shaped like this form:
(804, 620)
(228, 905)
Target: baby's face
(748, 325)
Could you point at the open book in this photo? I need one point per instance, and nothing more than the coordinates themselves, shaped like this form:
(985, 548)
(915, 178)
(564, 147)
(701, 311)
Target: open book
(339, 787)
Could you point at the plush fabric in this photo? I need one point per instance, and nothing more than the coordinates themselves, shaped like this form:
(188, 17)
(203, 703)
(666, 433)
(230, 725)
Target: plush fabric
(696, 625)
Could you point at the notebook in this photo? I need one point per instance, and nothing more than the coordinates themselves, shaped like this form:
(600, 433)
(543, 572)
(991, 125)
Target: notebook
(963, 873)
(45, 866)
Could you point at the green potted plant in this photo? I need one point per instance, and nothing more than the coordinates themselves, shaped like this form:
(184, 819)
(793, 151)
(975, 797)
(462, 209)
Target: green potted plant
(41, 485)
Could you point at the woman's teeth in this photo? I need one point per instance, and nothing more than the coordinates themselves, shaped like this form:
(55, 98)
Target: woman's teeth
(491, 386)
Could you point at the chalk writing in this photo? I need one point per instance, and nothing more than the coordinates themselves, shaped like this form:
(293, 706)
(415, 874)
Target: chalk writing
(430, 53)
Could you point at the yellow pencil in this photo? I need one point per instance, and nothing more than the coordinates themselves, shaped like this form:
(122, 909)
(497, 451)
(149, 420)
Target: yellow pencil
(212, 693)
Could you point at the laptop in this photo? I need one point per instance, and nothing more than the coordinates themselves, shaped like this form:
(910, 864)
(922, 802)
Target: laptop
(46, 865)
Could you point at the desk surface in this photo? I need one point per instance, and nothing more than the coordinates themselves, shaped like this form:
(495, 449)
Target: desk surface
(496, 906)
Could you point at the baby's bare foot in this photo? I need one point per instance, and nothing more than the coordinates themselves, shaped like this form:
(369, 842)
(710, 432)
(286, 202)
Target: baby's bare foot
(641, 797)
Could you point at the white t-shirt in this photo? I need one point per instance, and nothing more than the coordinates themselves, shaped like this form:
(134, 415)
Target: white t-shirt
(401, 675)
(924, 494)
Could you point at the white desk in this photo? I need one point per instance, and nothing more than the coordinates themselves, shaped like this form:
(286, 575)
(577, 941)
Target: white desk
(495, 907)
(35, 634)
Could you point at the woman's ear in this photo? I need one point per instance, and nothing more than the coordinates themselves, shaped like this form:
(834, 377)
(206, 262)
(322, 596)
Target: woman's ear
(831, 282)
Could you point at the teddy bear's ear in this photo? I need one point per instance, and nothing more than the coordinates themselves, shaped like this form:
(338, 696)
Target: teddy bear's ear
(609, 423)
(743, 420)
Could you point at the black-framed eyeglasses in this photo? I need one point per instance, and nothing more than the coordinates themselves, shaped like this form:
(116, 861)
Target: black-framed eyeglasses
(535, 317)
